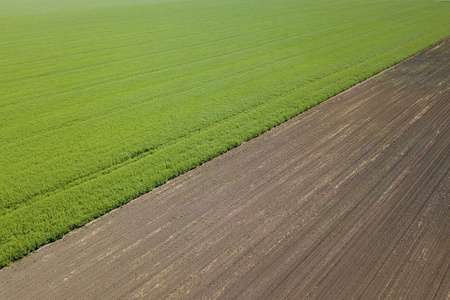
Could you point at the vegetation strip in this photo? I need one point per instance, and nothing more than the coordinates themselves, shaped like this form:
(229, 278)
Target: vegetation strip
(103, 103)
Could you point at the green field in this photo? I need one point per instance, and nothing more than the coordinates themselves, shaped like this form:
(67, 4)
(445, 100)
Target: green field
(100, 101)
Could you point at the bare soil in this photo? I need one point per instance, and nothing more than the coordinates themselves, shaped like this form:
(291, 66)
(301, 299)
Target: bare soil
(348, 200)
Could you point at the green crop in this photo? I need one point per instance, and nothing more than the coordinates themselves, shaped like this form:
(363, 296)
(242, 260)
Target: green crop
(101, 101)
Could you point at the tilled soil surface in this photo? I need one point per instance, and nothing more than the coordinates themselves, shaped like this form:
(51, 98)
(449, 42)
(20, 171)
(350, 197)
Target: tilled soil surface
(348, 200)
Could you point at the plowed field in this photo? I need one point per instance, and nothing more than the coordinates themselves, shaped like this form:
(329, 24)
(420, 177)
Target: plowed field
(348, 200)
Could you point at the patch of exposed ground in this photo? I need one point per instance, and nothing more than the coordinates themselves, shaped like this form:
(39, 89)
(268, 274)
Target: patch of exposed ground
(348, 200)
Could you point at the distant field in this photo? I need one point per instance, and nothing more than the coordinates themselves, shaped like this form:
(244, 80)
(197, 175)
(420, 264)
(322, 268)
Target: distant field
(101, 101)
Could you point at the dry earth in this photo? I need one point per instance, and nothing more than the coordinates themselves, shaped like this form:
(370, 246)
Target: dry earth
(348, 200)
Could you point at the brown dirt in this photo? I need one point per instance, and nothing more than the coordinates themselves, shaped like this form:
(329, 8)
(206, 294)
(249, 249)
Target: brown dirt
(348, 200)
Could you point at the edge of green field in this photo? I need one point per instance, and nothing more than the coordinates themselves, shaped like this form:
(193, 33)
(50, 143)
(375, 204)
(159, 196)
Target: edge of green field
(51, 215)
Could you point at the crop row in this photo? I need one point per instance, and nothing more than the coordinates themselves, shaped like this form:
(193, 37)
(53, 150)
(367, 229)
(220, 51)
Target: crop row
(100, 105)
